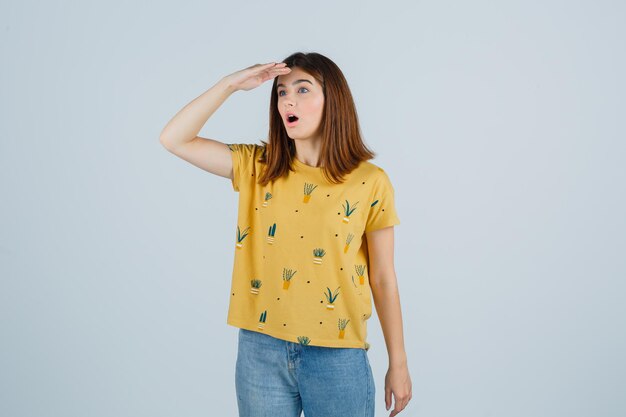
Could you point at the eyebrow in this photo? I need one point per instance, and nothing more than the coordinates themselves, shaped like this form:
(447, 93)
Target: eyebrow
(295, 82)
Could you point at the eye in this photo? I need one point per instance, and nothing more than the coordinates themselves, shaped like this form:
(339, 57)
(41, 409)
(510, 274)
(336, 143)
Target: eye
(282, 91)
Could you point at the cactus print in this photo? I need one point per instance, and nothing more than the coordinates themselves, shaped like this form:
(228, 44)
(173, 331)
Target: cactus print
(304, 278)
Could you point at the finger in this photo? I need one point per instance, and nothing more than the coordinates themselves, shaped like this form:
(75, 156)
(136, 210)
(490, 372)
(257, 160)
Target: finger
(269, 73)
(399, 407)
(278, 70)
(274, 73)
(388, 399)
(400, 404)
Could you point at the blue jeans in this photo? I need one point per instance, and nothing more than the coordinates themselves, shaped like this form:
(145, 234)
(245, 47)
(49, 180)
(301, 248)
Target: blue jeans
(278, 378)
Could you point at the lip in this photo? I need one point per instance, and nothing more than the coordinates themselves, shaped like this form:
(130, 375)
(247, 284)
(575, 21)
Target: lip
(287, 122)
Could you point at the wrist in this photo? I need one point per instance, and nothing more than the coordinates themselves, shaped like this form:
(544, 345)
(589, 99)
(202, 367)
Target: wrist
(227, 85)
(398, 361)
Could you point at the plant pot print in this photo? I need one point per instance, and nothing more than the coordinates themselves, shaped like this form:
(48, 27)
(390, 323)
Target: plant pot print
(347, 210)
(308, 189)
(348, 240)
(360, 271)
(255, 284)
(303, 340)
(331, 298)
(318, 253)
(241, 236)
(262, 319)
(267, 197)
(287, 275)
(342, 327)
(270, 234)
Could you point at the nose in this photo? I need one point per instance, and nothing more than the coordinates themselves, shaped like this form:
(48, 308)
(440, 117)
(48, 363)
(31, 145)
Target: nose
(287, 100)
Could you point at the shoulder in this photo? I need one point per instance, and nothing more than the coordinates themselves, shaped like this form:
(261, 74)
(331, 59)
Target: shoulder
(373, 172)
(248, 148)
(247, 152)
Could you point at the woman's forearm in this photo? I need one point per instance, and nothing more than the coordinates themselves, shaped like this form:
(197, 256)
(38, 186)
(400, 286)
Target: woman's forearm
(387, 301)
(186, 124)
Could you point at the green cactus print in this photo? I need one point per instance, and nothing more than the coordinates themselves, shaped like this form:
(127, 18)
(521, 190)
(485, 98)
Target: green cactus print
(342, 327)
(287, 275)
(331, 297)
(348, 211)
(348, 240)
(303, 340)
(360, 271)
(308, 189)
(255, 285)
(268, 196)
(318, 253)
(271, 233)
(241, 236)
(262, 319)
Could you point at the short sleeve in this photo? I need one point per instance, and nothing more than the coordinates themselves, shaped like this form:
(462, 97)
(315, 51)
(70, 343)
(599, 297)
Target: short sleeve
(382, 210)
(242, 155)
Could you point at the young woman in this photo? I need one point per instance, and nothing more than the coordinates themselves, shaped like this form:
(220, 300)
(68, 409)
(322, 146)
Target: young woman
(314, 238)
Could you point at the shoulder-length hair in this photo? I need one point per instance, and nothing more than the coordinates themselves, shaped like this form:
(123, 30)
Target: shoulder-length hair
(342, 148)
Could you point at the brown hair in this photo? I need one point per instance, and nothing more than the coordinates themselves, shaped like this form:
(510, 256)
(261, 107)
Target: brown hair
(342, 147)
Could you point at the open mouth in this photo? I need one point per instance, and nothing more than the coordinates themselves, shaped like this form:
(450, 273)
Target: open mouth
(292, 120)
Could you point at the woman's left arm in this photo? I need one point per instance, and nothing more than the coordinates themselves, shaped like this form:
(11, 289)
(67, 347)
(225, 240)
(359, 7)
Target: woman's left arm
(384, 285)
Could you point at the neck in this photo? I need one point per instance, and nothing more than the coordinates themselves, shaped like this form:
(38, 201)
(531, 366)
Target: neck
(308, 151)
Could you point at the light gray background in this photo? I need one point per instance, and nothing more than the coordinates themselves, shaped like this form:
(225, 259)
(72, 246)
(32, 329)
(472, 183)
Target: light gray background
(501, 125)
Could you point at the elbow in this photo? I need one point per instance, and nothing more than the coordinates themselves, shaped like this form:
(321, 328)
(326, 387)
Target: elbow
(383, 279)
(164, 142)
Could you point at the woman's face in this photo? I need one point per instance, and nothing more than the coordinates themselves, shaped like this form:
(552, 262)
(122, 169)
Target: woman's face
(299, 93)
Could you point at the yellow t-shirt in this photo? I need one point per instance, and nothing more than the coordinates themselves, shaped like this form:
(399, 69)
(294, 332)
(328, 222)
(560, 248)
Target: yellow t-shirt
(300, 269)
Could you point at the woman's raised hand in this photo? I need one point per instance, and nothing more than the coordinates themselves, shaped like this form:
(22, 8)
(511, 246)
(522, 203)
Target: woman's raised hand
(252, 77)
